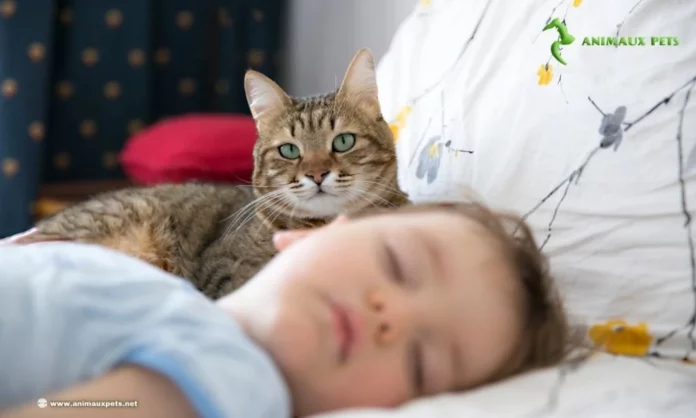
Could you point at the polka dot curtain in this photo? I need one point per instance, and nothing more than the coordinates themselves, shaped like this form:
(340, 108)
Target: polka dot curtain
(78, 77)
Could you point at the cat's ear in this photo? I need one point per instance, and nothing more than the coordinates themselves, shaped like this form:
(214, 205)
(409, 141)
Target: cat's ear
(265, 98)
(359, 85)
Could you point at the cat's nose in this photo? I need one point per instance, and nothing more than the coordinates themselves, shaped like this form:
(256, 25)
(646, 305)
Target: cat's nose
(317, 176)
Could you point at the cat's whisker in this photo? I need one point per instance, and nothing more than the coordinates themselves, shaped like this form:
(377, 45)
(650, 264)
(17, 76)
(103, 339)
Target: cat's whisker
(382, 192)
(250, 204)
(376, 188)
(382, 185)
(256, 187)
(278, 211)
(242, 181)
(367, 194)
(304, 192)
(237, 214)
(241, 216)
(383, 200)
(292, 212)
(249, 208)
(247, 183)
(363, 194)
(304, 196)
(260, 207)
(360, 195)
(265, 187)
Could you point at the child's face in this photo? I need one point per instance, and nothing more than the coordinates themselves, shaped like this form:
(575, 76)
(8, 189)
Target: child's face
(379, 310)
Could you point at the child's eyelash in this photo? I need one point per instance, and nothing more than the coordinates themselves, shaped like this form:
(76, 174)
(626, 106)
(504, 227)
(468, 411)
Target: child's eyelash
(393, 265)
(417, 367)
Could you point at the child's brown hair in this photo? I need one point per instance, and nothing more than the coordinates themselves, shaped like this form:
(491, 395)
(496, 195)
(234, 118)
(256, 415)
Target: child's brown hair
(546, 337)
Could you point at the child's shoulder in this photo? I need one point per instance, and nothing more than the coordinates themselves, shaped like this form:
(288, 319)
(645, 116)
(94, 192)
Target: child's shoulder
(83, 310)
(64, 266)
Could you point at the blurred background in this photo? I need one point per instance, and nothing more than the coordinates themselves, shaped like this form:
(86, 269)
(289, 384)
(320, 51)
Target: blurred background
(82, 79)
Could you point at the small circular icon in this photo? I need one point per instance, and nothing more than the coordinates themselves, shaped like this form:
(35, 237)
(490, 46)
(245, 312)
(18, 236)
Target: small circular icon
(42, 403)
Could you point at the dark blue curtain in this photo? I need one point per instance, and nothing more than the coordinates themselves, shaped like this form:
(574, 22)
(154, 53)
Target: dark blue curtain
(80, 76)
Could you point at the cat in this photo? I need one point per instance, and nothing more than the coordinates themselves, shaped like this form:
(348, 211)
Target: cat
(314, 158)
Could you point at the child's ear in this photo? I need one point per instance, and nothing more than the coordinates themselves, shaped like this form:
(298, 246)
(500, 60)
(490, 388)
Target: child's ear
(284, 239)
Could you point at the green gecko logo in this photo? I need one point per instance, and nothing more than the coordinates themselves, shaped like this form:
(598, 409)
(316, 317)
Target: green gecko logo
(564, 38)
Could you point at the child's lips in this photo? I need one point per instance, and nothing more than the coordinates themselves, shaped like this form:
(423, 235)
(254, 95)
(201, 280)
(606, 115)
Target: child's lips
(347, 329)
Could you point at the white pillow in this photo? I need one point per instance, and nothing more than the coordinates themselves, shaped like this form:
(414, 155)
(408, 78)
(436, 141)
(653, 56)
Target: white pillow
(464, 77)
(604, 387)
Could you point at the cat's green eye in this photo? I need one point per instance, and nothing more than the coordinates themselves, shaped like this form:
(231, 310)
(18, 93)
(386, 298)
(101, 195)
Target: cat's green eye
(343, 142)
(289, 151)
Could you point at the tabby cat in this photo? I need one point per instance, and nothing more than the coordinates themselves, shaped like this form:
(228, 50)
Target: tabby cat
(314, 159)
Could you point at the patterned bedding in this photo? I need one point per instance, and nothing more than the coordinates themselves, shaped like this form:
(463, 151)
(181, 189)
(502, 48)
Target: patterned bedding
(580, 115)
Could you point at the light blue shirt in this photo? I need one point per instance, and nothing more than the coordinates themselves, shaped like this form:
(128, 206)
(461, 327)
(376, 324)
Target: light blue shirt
(71, 312)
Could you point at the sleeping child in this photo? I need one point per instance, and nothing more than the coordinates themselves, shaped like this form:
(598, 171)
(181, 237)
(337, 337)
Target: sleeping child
(370, 311)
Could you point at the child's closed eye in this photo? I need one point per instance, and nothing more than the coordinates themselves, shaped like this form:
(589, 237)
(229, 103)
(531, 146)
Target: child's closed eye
(396, 267)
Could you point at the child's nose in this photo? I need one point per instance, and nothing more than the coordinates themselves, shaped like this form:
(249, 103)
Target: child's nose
(389, 323)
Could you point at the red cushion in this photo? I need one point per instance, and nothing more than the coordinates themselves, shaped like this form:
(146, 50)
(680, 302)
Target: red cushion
(203, 147)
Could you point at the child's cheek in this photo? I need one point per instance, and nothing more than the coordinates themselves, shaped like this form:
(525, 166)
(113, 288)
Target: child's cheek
(380, 384)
